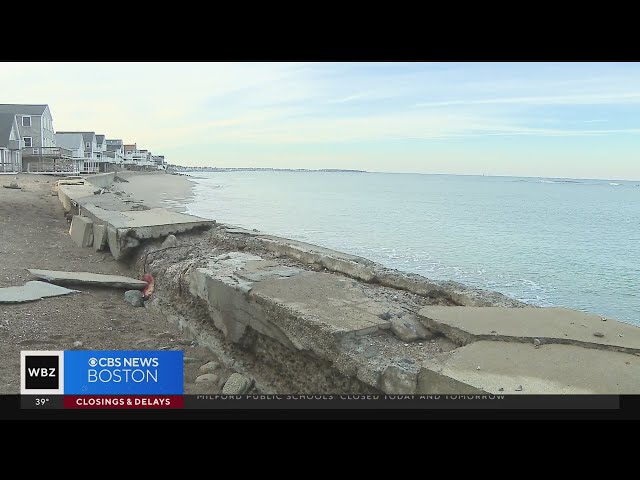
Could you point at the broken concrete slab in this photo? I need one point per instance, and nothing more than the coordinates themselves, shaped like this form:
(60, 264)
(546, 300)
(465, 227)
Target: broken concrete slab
(126, 229)
(87, 278)
(409, 329)
(553, 369)
(548, 325)
(99, 237)
(81, 231)
(324, 298)
(32, 291)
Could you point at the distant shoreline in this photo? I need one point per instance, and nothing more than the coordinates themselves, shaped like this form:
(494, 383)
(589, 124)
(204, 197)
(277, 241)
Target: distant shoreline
(256, 169)
(181, 170)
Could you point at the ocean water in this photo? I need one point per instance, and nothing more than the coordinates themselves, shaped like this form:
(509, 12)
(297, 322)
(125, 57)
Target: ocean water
(548, 242)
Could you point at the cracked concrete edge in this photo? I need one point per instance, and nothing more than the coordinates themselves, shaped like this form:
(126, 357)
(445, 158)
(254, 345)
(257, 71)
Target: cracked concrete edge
(462, 337)
(370, 272)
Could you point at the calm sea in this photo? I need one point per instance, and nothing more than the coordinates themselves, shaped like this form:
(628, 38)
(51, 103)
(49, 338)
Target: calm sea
(549, 242)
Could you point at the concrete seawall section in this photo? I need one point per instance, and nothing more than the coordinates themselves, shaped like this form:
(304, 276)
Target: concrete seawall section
(299, 318)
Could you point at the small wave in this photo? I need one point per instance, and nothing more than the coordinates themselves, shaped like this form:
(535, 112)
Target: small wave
(614, 184)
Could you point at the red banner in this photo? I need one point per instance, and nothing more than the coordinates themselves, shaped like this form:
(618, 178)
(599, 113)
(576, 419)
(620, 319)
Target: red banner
(123, 401)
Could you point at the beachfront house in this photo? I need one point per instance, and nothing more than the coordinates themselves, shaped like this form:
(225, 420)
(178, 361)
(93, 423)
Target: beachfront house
(91, 163)
(74, 142)
(159, 161)
(39, 150)
(10, 144)
(114, 149)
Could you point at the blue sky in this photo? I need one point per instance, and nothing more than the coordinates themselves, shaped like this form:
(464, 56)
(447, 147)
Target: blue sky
(537, 119)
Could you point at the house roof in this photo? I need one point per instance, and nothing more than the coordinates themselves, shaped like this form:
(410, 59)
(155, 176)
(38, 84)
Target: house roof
(18, 109)
(88, 136)
(114, 141)
(6, 123)
(99, 139)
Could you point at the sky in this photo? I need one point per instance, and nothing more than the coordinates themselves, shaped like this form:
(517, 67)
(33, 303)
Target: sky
(578, 120)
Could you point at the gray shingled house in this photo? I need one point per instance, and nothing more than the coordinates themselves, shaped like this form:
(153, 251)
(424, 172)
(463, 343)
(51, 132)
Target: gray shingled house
(10, 144)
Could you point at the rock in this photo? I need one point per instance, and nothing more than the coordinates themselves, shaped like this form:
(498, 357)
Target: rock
(501, 389)
(385, 316)
(409, 329)
(396, 380)
(184, 341)
(164, 335)
(207, 378)
(536, 342)
(519, 388)
(77, 344)
(604, 319)
(190, 360)
(236, 385)
(620, 335)
(209, 367)
(598, 334)
(170, 241)
(478, 368)
(134, 297)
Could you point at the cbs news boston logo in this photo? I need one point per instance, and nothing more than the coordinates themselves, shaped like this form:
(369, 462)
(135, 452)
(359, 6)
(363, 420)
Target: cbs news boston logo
(95, 372)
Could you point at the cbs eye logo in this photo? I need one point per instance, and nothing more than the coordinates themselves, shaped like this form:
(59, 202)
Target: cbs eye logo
(93, 362)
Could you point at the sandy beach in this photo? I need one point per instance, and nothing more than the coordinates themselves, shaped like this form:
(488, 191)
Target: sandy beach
(35, 234)
(158, 189)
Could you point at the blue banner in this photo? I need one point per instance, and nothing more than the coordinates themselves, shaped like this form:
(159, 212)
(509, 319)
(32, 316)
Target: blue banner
(123, 372)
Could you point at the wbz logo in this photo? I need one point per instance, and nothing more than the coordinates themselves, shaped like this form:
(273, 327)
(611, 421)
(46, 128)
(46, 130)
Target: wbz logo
(41, 372)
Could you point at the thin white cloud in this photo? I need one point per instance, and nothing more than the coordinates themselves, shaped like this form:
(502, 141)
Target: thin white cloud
(584, 99)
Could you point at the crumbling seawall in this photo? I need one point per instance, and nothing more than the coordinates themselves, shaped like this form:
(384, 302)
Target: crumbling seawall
(298, 318)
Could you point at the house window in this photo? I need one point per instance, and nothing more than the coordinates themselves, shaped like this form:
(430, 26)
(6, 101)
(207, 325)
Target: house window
(35, 151)
(26, 121)
(27, 141)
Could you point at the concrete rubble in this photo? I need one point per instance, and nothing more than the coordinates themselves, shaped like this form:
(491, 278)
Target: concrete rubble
(86, 278)
(81, 231)
(32, 291)
(348, 330)
(128, 223)
(288, 316)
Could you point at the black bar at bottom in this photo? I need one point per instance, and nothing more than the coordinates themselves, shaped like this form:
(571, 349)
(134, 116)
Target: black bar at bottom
(403, 402)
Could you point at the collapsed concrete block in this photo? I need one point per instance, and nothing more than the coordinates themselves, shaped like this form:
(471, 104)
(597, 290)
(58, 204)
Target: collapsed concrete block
(81, 231)
(99, 237)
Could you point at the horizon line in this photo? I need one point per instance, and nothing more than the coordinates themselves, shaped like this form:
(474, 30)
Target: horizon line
(352, 170)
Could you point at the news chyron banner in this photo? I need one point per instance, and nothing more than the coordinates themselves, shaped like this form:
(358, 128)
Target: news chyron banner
(106, 378)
